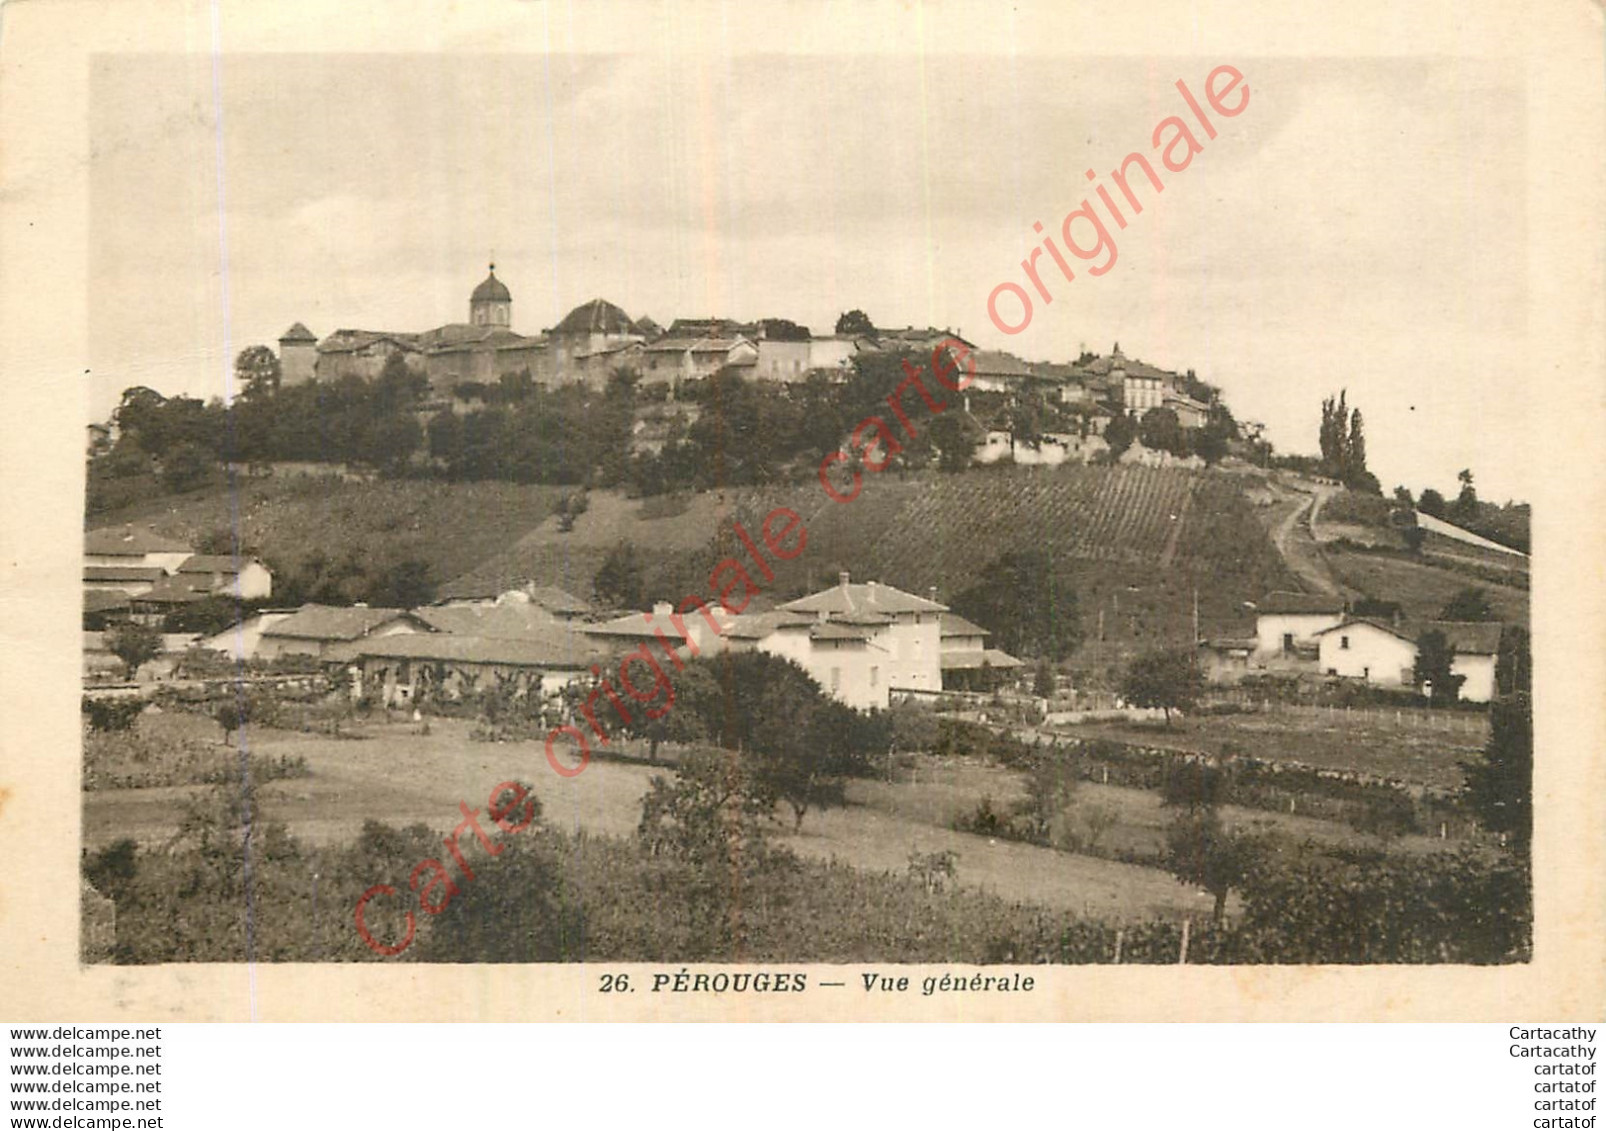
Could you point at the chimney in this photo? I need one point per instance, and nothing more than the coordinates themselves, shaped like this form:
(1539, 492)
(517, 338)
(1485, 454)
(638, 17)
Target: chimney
(869, 591)
(842, 579)
(662, 609)
(932, 595)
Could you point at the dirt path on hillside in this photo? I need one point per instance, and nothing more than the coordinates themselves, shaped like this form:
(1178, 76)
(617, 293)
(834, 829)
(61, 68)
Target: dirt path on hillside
(1299, 548)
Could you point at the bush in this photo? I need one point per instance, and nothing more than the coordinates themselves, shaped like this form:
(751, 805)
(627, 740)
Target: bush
(112, 714)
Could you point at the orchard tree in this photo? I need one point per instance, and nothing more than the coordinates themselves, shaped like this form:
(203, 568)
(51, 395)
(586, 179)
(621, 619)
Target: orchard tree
(1201, 851)
(954, 441)
(232, 714)
(1170, 680)
(135, 645)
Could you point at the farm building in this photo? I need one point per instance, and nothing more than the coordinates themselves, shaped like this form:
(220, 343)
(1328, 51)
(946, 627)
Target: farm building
(1287, 624)
(1373, 651)
(635, 629)
(133, 546)
(409, 668)
(965, 655)
(1384, 655)
(330, 633)
(859, 641)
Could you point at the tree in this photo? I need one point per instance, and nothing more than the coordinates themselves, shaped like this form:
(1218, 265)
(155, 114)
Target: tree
(1028, 603)
(1499, 786)
(1171, 681)
(135, 645)
(232, 714)
(955, 442)
(1469, 604)
(1120, 433)
(620, 582)
(257, 372)
(1161, 431)
(1465, 508)
(1355, 473)
(1513, 665)
(186, 467)
(854, 322)
(1043, 679)
(1200, 850)
(1432, 503)
(1434, 660)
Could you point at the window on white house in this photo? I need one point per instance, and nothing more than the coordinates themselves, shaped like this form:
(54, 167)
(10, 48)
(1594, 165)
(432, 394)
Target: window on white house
(875, 676)
(836, 679)
(1343, 642)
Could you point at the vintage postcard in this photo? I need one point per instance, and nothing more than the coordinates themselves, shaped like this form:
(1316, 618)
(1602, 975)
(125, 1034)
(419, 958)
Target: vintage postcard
(918, 511)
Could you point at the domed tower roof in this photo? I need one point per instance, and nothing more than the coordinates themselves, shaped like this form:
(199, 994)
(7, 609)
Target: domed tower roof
(599, 316)
(491, 290)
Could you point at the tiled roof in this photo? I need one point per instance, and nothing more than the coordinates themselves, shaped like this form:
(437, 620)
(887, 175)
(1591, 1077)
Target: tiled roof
(351, 341)
(832, 630)
(328, 622)
(104, 600)
(1480, 638)
(976, 657)
(513, 621)
(124, 573)
(1294, 604)
(955, 625)
(868, 597)
(211, 563)
(555, 600)
(173, 591)
(132, 540)
(1400, 631)
(561, 649)
(756, 626)
(298, 333)
(599, 316)
(997, 363)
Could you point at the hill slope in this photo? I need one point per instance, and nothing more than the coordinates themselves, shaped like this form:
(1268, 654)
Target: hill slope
(1136, 541)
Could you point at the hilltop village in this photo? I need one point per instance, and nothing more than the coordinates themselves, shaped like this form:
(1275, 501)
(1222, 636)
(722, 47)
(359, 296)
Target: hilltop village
(464, 363)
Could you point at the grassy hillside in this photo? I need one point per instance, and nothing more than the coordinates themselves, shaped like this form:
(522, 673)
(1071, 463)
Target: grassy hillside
(1136, 540)
(450, 527)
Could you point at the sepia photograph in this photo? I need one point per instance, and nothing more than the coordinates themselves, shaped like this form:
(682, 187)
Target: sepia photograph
(656, 515)
(806, 506)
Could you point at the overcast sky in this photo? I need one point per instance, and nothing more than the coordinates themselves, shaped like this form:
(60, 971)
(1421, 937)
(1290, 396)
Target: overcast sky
(1361, 224)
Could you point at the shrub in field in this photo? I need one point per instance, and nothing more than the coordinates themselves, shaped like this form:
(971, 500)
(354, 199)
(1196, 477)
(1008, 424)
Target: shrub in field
(112, 714)
(1308, 905)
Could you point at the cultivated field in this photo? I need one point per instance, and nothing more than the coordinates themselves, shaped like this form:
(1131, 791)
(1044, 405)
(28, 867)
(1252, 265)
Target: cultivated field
(1417, 746)
(400, 777)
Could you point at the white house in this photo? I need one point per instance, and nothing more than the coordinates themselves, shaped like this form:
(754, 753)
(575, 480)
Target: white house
(1372, 651)
(1477, 645)
(965, 654)
(860, 642)
(1286, 623)
(1384, 655)
(246, 579)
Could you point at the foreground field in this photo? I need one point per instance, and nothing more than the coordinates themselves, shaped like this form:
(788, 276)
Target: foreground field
(400, 777)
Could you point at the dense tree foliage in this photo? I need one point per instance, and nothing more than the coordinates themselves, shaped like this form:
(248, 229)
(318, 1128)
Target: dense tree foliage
(1169, 680)
(1435, 657)
(1027, 602)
